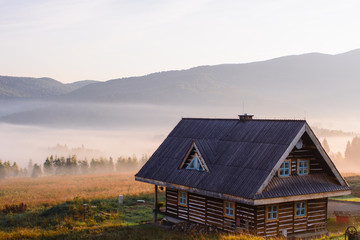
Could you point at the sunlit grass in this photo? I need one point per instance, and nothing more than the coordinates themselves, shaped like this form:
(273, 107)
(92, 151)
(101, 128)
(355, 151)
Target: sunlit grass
(348, 198)
(55, 210)
(56, 189)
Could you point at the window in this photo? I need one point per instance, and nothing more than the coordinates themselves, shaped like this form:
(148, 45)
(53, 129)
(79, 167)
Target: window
(300, 209)
(182, 198)
(195, 164)
(284, 169)
(303, 167)
(193, 160)
(229, 209)
(271, 212)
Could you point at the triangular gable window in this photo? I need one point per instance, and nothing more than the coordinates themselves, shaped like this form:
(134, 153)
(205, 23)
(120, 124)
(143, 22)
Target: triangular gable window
(193, 160)
(195, 164)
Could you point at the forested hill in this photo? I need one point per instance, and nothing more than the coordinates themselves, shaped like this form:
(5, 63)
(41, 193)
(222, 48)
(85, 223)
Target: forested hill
(313, 86)
(300, 79)
(26, 87)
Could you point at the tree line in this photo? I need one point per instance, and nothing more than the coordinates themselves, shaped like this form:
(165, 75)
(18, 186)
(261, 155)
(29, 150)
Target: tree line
(60, 165)
(351, 154)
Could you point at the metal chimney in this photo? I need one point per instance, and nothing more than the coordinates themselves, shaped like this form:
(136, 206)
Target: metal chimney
(245, 117)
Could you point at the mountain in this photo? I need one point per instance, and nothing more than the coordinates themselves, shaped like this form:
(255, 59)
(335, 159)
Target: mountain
(317, 86)
(26, 87)
(298, 83)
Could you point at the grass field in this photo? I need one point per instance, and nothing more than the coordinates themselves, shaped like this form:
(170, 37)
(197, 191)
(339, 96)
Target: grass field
(349, 198)
(354, 182)
(85, 207)
(56, 189)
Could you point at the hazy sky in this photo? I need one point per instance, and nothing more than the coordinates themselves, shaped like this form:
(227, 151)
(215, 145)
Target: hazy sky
(73, 40)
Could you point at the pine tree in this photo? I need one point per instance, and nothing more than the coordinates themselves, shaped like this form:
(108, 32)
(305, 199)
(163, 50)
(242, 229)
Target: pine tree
(36, 172)
(49, 165)
(326, 146)
(2, 170)
(348, 152)
(14, 169)
(30, 166)
(84, 166)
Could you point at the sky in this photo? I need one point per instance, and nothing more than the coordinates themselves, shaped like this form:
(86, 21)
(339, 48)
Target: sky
(71, 40)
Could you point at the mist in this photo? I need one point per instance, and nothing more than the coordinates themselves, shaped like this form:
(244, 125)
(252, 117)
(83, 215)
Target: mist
(35, 129)
(20, 143)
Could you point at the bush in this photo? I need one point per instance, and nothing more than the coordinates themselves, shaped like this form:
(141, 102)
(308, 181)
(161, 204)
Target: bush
(20, 208)
(160, 205)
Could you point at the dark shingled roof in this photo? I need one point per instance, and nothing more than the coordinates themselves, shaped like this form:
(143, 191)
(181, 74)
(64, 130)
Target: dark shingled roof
(239, 154)
(301, 185)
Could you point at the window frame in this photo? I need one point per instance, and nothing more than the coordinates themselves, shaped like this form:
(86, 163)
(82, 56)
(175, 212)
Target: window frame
(196, 164)
(180, 202)
(307, 168)
(267, 211)
(295, 209)
(286, 161)
(230, 207)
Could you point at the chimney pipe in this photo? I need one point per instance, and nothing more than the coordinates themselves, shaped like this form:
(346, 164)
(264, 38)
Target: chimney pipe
(245, 117)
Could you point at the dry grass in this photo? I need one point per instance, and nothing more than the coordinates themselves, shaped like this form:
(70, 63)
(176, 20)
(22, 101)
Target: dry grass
(56, 189)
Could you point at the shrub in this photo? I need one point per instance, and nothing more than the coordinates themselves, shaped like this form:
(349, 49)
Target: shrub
(20, 208)
(160, 205)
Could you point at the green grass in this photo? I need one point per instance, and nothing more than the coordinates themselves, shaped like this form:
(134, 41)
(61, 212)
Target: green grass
(103, 218)
(348, 198)
(95, 219)
(338, 229)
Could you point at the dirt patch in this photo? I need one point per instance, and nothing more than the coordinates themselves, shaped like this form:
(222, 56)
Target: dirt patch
(353, 208)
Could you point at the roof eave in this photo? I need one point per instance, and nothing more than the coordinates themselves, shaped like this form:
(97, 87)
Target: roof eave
(245, 200)
(265, 201)
(196, 190)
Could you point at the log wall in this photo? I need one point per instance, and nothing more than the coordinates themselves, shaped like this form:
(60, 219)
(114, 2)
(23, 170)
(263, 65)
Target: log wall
(315, 219)
(308, 152)
(210, 211)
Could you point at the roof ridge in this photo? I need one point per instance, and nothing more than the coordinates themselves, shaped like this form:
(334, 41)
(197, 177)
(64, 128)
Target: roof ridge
(236, 119)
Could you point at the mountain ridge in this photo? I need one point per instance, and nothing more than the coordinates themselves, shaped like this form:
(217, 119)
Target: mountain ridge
(322, 86)
(203, 83)
(28, 87)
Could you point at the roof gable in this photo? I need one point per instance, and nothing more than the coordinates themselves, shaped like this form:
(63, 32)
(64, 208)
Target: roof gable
(193, 160)
(304, 130)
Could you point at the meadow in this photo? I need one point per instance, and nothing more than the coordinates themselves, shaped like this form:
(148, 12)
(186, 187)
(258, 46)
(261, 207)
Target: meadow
(57, 189)
(85, 207)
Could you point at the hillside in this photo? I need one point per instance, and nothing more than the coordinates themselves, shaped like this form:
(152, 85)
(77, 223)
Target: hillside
(26, 87)
(301, 80)
(299, 86)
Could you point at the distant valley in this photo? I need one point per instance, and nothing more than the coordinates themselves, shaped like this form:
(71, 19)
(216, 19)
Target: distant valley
(147, 107)
(299, 86)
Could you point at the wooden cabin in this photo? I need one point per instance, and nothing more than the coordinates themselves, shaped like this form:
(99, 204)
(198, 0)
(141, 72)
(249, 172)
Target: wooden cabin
(266, 177)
